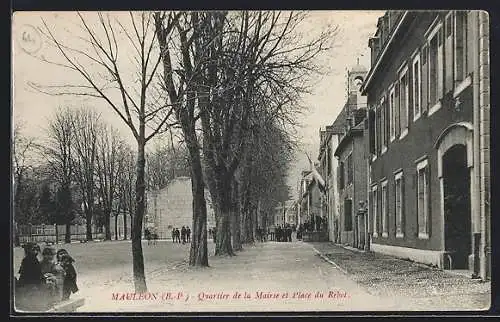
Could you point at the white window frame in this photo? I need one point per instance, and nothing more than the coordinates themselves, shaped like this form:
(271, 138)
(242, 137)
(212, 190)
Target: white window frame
(399, 213)
(404, 72)
(392, 114)
(375, 210)
(384, 208)
(417, 96)
(421, 165)
(437, 105)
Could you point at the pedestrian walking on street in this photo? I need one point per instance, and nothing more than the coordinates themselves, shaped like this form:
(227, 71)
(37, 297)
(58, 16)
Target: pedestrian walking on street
(188, 234)
(183, 235)
(173, 235)
(177, 235)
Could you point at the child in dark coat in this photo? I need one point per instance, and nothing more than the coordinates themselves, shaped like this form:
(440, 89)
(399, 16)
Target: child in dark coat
(28, 286)
(69, 285)
(30, 272)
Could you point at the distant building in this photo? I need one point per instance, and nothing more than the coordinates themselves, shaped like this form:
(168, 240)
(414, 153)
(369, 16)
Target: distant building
(172, 207)
(428, 94)
(330, 139)
(352, 180)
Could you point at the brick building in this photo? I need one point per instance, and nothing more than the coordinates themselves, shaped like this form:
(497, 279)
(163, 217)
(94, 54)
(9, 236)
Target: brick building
(428, 98)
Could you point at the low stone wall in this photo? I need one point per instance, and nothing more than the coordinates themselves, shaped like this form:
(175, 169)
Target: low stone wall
(315, 236)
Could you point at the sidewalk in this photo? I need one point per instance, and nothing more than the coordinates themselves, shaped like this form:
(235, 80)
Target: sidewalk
(261, 274)
(417, 286)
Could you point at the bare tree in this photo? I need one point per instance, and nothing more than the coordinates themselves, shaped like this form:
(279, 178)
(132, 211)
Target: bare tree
(102, 63)
(164, 163)
(126, 187)
(85, 124)
(247, 56)
(110, 148)
(59, 154)
(182, 87)
(22, 147)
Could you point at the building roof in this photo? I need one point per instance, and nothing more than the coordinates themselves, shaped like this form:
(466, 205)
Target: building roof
(357, 129)
(374, 68)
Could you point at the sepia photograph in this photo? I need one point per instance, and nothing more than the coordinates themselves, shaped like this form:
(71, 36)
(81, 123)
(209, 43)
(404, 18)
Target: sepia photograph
(250, 161)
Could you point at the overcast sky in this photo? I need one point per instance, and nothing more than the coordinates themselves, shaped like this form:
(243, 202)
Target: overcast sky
(328, 97)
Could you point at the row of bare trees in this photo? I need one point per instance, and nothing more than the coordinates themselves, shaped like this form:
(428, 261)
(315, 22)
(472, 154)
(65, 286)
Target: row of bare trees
(230, 82)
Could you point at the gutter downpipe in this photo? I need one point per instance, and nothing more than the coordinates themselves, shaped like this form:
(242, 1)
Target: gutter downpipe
(484, 135)
(476, 143)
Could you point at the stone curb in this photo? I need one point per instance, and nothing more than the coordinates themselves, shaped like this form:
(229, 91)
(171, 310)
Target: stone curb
(329, 261)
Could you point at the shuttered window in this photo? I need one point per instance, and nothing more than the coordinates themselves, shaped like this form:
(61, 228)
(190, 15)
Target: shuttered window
(399, 204)
(417, 87)
(448, 52)
(347, 215)
(460, 56)
(423, 199)
(385, 210)
(425, 78)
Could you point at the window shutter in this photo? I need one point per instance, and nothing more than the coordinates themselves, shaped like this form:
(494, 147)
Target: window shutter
(448, 52)
(379, 211)
(415, 185)
(429, 203)
(425, 78)
(403, 205)
(396, 108)
(387, 122)
(379, 130)
(347, 214)
(371, 133)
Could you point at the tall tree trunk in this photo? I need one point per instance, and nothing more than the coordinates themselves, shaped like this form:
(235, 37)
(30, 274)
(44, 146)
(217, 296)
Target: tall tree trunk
(198, 255)
(236, 217)
(137, 256)
(67, 236)
(107, 224)
(116, 227)
(125, 226)
(223, 207)
(223, 236)
(88, 217)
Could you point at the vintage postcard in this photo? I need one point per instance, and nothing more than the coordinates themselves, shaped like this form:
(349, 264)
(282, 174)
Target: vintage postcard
(250, 161)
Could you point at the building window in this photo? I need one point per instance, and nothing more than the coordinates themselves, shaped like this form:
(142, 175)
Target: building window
(403, 101)
(460, 46)
(374, 210)
(392, 114)
(385, 210)
(347, 214)
(417, 87)
(435, 68)
(350, 169)
(341, 175)
(399, 204)
(423, 199)
(448, 52)
(383, 125)
(425, 78)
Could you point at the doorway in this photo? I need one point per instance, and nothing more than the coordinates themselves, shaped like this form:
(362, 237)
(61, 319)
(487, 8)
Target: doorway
(457, 207)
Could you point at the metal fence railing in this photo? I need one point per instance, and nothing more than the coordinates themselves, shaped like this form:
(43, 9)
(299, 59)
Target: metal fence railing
(49, 233)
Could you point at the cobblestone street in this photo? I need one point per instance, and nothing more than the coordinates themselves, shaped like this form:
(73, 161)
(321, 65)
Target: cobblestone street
(417, 286)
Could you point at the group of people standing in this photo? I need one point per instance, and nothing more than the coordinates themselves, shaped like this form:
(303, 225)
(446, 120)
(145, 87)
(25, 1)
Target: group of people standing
(181, 236)
(43, 283)
(282, 233)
